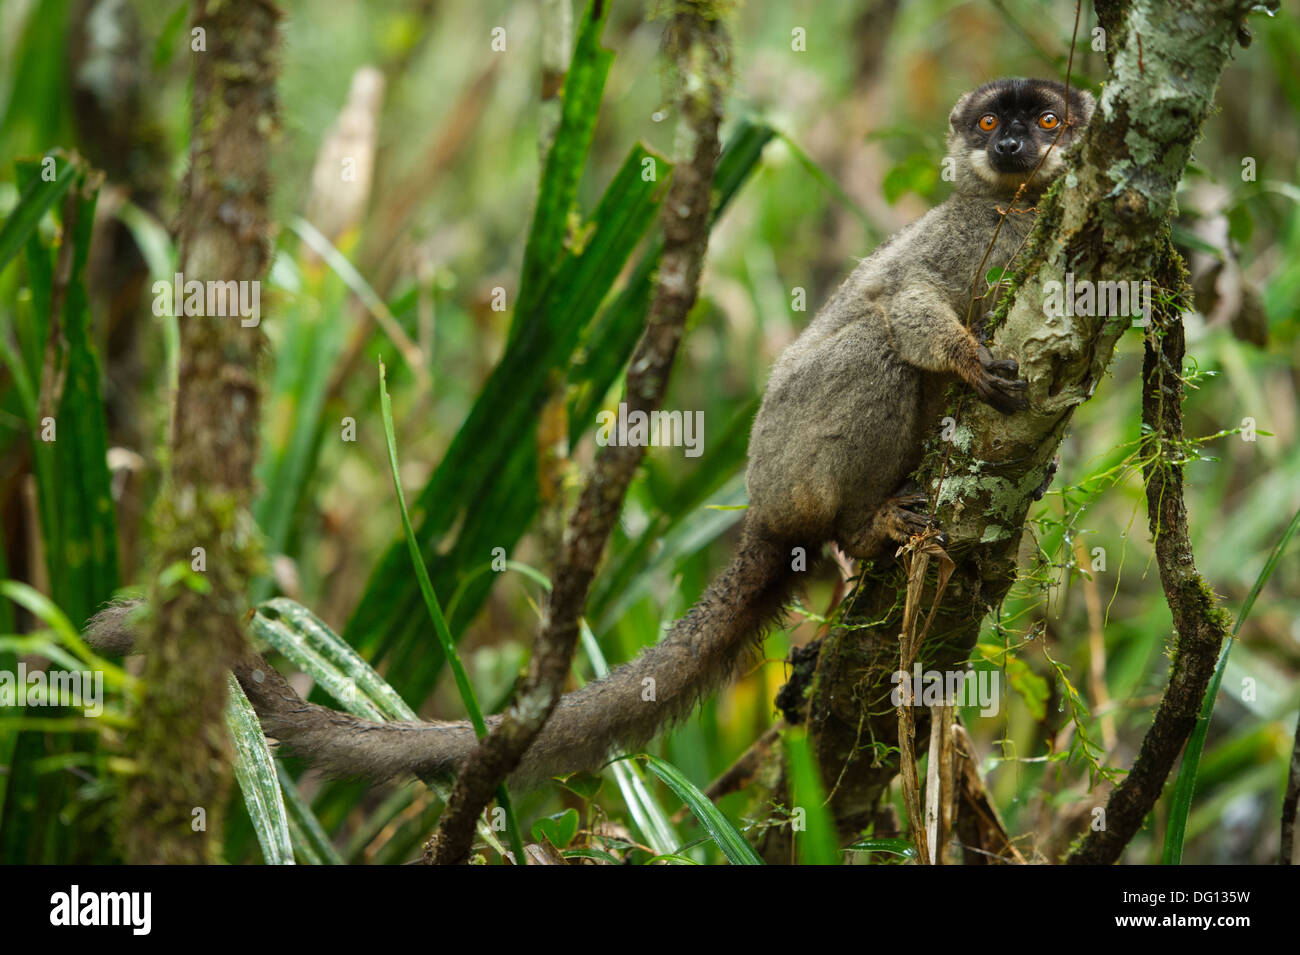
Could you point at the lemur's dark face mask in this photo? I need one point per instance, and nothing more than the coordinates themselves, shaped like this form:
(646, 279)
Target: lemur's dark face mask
(1014, 140)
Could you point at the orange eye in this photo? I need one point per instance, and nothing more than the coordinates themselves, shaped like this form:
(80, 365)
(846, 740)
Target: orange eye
(988, 121)
(1049, 121)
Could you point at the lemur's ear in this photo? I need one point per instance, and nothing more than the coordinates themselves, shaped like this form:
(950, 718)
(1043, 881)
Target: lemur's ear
(1082, 104)
(959, 110)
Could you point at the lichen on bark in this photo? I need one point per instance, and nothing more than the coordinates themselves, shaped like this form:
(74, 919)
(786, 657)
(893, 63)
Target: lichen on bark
(1111, 224)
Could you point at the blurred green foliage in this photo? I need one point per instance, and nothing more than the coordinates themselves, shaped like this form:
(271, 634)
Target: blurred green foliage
(442, 240)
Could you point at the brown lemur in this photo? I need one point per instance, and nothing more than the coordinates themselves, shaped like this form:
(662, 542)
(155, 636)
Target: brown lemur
(839, 433)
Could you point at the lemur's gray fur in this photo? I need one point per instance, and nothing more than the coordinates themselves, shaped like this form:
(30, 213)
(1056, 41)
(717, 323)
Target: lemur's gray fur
(839, 432)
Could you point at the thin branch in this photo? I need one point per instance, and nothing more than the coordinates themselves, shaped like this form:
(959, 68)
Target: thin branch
(1291, 804)
(1200, 623)
(699, 47)
(1109, 224)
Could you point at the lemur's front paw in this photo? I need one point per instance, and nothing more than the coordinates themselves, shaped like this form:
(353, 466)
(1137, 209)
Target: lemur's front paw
(998, 384)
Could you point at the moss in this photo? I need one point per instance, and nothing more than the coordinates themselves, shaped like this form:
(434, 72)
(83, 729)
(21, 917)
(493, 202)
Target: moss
(1037, 245)
(181, 750)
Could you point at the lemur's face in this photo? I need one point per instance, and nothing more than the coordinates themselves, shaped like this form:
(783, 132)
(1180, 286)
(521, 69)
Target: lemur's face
(1004, 128)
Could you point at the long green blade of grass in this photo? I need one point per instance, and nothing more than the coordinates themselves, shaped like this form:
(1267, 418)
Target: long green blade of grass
(1185, 787)
(726, 835)
(39, 193)
(422, 575)
(435, 612)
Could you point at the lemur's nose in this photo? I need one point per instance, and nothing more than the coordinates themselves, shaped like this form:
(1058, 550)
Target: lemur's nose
(1009, 146)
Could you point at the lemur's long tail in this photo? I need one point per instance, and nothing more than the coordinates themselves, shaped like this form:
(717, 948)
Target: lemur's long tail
(701, 652)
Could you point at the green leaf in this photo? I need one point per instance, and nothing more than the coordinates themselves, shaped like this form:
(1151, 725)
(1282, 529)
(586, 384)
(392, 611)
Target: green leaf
(36, 107)
(696, 511)
(38, 195)
(1031, 687)
(584, 83)
(1190, 240)
(828, 182)
(643, 806)
(435, 612)
(309, 839)
(77, 525)
(1241, 224)
(661, 546)
(726, 835)
(817, 843)
(42, 608)
(532, 573)
(916, 173)
(324, 656)
(158, 250)
(171, 37)
(75, 501)
(45, 610)
(421, 573)
(584, 785)
(558, 829)
(258, 782)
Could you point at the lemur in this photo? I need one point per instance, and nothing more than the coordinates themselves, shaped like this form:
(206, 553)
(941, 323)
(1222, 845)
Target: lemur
(839, 432)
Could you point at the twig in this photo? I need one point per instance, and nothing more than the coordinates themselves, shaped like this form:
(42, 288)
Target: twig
(1291, 804)
(1106, 227)
(699, 47)
(980, 827)
(1096, 652)
(910, 641)
(1200, 624)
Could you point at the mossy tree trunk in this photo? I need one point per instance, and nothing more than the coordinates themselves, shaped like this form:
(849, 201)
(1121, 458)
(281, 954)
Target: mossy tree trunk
(1108, 221)
(207, 544)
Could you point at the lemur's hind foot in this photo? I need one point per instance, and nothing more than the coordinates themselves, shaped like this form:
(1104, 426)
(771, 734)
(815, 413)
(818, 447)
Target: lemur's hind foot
(899, 519)
(903, 517)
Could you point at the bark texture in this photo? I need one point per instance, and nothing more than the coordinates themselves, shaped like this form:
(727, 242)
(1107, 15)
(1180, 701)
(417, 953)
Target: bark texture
(174, 803)
(1106, 221)
(1200, 625)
